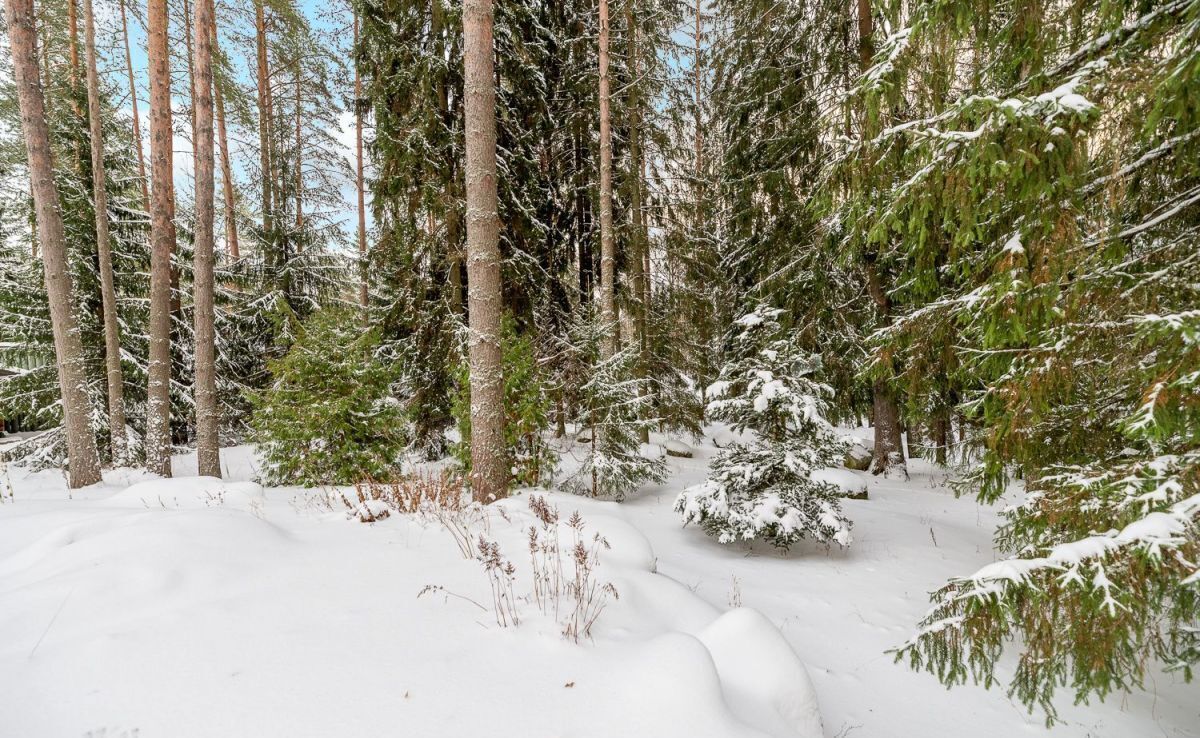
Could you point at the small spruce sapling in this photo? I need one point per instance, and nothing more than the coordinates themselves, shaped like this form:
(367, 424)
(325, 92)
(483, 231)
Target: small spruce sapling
(329, 416)
(613, 408)
(761, 486)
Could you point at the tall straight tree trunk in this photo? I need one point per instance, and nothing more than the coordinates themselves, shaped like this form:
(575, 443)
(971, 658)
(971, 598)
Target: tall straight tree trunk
(108, 293)
(83, 461)
(299, 156)
(637, 260)
(697, 74)
(191, 73)
(608, 307)
(264, 131)
(207, 418)
(489, 465)
(162, 243)
(888, 454)
(231, 232)
(137, 123)
(454, 253)
(359, 182)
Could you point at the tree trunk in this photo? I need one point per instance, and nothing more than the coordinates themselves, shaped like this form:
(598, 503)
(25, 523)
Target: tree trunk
(207, 416)
(608, 308)
(137, 123)
(697, 71)
(231, 233)
(638, 270)
(83, 461)
(191, 74)
(108, 293)
(264, 132)
(299, 156)
(489, 465)
(363, 295)
(940, 433)
(888, 454)
(162, 243)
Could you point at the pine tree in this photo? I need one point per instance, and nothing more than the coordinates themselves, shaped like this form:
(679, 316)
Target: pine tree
(162, 237)
(84, 464)
(205, 393)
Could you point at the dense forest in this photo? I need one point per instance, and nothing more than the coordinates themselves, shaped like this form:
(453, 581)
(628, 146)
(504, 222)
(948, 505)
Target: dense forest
(370, 237)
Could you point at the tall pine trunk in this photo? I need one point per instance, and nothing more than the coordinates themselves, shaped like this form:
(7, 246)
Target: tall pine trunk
(489, 465)
(608, 308)
(231, 231)
(264, 130)
(137, 123)
(639, 272)
(108, 293)
(162, 243)
(207, 417)
(83, 461)
(363, 295)
(299, 155)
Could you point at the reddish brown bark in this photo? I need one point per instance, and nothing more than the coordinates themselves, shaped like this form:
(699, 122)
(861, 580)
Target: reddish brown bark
(162, 243)
(108, 293)
(83, 461)
(489, 464)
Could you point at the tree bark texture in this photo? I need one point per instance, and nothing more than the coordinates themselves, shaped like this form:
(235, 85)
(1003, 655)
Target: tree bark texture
(83, 461)
(108, 293)
(207, 416)
(608, 308)
(162, 243)
(489, 465)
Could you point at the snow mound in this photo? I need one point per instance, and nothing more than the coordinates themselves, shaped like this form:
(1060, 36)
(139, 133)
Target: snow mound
(851, 484)
(678, 449)
(763, 680)
(191, 493)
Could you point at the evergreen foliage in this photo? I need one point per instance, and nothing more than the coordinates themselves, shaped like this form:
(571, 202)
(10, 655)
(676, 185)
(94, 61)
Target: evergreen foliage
(612, 408)
(526, 412)
(762, 486)
(328, 416)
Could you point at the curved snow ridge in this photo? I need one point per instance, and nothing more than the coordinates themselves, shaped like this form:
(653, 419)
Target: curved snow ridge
(190, 493)
(737, 663)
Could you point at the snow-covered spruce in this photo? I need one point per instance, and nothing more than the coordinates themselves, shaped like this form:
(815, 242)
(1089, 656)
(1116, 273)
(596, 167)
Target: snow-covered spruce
(614, 408)
(762, 487)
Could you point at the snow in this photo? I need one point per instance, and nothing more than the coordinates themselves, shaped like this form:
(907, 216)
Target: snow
(202, 607)
(849, 482)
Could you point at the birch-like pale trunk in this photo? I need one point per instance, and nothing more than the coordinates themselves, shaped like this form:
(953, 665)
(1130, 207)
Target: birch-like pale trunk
(83, 463)
(207, 416)
(489, 465)
(162, 243)
(108, 292)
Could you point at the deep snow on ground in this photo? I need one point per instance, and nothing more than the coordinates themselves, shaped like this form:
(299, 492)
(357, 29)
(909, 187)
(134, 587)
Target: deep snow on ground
(194, 607)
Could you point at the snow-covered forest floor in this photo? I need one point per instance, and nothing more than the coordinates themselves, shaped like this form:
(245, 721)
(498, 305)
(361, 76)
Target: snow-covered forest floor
(192, 607)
